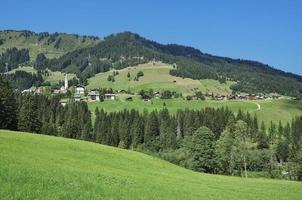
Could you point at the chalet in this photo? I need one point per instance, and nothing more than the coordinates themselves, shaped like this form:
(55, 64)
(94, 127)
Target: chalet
(220, 97)
(145, 97)
(111, 97)
(129, 99)
(275, 96)
(77, 97)
(93, 96)
(251, 97)
(79, 89)
(156, 94)
(122, 91)
(27, 91)
(63, 102)
(232, 97)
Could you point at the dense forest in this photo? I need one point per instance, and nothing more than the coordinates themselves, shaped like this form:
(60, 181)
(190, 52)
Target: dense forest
(11, 58)
(207, 140)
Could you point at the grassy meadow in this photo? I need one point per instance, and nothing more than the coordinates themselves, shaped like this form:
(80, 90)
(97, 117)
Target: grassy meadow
(68, 43)
(273, 110)
(45, 167)
(156, 77)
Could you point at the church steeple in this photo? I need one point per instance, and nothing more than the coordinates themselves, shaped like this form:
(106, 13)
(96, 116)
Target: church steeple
(66, 82)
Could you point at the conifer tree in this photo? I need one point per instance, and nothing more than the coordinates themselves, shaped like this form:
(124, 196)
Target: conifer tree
(8, 107)
(151, 131)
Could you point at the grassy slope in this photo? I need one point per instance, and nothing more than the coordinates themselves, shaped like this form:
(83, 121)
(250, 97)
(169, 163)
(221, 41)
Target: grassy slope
(68, 43)
(157, 78)
(57, 76)
(43, 167)
(54, 76)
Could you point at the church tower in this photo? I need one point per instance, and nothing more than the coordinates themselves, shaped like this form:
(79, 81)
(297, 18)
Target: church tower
(66, 82)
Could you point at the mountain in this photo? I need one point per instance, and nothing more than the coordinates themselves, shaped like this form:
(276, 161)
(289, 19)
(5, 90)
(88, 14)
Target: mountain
(46, 167)
(51, 44)
(128, 49)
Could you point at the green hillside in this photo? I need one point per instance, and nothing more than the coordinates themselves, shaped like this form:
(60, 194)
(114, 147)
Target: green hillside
(52, 45)
(157, 77)
(44, 167)
(128, 49)
(53, 77)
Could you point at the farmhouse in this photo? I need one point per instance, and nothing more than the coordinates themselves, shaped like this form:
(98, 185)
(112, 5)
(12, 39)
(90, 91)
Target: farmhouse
(93, 96)
(251, 97)
(145, 97)
(122, 91)
(77, 97)
(129, 99)
(111, 97)
(80, 89)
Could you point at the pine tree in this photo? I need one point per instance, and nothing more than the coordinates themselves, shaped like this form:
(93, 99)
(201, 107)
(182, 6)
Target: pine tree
(8, 106)
(137, 131)
(28, 116)
(152, 131)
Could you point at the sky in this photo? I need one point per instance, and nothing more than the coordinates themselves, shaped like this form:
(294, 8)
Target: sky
(269, 31)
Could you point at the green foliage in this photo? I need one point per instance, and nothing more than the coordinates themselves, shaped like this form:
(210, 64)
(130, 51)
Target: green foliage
(8, 106)
(110, 78)
(203, 151)
(28, 118)
(41, 62)
(12, 57)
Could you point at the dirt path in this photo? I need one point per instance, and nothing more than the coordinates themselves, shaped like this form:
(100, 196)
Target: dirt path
(258, 105)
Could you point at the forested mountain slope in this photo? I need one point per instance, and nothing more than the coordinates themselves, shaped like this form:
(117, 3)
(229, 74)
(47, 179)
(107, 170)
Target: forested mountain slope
(128, 49)
(125, 49)
(51, 44)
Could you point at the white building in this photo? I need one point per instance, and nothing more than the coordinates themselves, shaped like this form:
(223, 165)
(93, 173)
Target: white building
(80, 89)
(93, 96)
(110, 97)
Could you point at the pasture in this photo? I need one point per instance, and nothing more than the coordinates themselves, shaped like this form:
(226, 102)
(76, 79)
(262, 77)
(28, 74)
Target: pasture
(45, 167)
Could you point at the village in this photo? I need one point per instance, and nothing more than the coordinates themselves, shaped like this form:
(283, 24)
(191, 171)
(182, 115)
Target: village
(80, 93)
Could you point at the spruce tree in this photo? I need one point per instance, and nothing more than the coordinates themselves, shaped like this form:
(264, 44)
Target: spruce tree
(8, 106)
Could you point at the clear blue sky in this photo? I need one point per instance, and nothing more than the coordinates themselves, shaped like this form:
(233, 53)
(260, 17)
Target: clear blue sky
(269, 31)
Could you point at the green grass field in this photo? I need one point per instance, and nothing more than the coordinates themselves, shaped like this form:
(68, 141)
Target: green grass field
(68, 43)
(54, 76)
(57, 76)
(157, 77)
(44, 167)
(27, 69)
(274, 110)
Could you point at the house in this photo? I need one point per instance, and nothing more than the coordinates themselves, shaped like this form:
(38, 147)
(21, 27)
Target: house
(77, 97)
(156, 95)
(111, 97)
(232, 97)
(80, 89)
(93, 96)
(63, 102)
(122, 91)
(251, 97)
(129, 99)
(219, 97)
(145, 97)
(275, 96)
